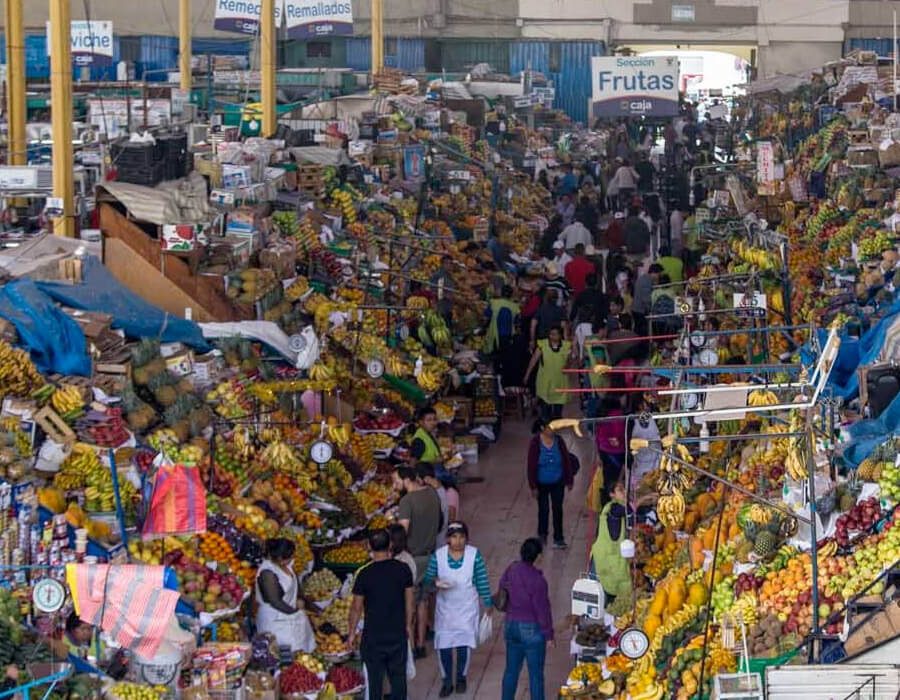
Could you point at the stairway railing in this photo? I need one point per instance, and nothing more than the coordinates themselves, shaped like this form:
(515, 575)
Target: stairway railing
(855, 694)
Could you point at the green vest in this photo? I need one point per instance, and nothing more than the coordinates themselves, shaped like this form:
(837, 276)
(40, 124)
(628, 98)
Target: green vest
(492, 337)
(432, 453)
(611, 568)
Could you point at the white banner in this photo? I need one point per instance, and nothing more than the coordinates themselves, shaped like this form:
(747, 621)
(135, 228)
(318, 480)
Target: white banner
(91, 42)
(765, 161)
(242, 16)
(307, 19)
(634, 86)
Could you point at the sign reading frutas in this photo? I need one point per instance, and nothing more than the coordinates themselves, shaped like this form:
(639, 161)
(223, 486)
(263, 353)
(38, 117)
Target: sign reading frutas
(91, 42)
(242, 16)
(307, 19)
(635, 86)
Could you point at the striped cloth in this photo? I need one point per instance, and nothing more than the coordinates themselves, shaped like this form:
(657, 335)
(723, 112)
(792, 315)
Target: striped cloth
(479, 575)
(127, 602)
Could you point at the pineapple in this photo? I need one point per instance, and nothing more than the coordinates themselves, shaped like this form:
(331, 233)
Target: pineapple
(765, 544)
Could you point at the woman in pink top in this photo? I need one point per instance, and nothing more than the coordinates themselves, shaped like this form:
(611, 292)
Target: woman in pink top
(611, 439)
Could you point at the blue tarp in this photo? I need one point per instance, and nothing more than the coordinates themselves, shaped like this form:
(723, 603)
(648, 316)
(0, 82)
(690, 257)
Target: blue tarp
(866, 435)
(55, 341)
(854, 353)
(101, 292)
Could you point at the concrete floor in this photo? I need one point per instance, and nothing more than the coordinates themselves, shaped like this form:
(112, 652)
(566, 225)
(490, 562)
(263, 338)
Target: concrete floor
(501, 513)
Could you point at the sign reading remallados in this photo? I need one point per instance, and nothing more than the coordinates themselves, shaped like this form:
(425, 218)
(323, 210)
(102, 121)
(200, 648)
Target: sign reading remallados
(91, 42)
(304, 18)
(242, 16)
(307, 19)
(634, 86)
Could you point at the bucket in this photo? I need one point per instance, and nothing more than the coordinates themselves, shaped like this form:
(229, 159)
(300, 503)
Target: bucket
(626, 549)
(162, 669)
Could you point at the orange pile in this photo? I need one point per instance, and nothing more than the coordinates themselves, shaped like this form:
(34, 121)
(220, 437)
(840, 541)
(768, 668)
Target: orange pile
(215, 548)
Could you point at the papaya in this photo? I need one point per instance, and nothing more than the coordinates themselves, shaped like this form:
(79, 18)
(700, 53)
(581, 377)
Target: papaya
(697, 594)
(697, 555)
(659, 603)
(675, 599)
(651, 624)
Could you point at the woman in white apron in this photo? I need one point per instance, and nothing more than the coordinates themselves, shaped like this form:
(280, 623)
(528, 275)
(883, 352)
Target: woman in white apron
(277, 609)
(460, 575)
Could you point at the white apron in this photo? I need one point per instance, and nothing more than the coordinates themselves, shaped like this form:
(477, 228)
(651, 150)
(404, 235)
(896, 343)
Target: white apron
(456, 611)
(292, 631)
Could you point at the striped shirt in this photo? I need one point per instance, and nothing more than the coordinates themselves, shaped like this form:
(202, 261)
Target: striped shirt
(479, 575)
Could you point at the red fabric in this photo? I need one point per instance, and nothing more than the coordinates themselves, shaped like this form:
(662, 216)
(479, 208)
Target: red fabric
(534, 454)
(610, 434)
(531, 306)
(628, 378)
(178, 503)
(615, 235)
(576, 273)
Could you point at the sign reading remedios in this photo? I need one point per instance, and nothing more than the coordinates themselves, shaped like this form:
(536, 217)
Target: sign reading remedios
(307, 19)
(634, 86)
(91, 42)
(242, 16)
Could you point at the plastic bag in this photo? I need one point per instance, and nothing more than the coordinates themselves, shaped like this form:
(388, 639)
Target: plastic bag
(410, 662)
(485, 628)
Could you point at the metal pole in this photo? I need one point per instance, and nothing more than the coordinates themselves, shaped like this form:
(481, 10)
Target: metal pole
(16, 105)
(377, 37)
(61, 114)
(184, 45)
(267, 66)
(894, 62)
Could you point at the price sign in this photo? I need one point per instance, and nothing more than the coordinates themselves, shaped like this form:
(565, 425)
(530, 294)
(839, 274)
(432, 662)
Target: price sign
(752, 305)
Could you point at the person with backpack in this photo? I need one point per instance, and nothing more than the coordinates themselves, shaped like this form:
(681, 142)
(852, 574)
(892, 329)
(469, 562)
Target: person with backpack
(550, 473)
(503, 314)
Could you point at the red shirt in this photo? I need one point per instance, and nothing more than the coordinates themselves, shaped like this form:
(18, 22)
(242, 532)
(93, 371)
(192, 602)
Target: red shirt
(577, 271)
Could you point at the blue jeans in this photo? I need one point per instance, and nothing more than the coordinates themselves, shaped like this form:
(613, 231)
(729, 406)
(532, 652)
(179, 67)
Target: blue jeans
(524, 643)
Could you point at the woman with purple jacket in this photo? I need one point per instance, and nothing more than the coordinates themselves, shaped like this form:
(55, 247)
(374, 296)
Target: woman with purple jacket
(529, 621)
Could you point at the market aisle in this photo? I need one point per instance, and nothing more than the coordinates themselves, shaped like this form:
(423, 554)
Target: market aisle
(501, 513)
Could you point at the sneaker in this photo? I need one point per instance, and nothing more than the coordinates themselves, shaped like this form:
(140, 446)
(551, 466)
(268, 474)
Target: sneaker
(446, 691)
(461, 686)
(419, 653)
(560, 544)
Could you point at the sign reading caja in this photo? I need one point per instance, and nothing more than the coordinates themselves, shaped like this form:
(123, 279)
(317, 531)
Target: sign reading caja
(91, 42)
(242, 16)
(634, 86)
(311, 18)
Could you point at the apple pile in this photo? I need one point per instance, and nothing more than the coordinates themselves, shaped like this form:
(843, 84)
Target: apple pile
(386, 422)
(200, 586)
(747, 582)
(860, 518)
(297, 679)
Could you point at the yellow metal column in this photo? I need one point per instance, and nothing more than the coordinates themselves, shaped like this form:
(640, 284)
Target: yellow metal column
(61, 113)
(377, 36)
(184, 44)
(267, 46)
(15, 82)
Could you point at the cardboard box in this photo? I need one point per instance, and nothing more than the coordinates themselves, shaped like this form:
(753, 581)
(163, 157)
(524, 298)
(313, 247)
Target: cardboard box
(181, 237)
(875, 630)
(181, 364)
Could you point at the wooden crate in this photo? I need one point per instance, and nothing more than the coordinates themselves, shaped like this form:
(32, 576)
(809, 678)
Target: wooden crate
(54, 426)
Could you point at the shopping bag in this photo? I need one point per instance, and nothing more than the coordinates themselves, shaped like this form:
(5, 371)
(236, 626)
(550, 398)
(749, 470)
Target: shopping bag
(410, 662)
(485, 628)
(178, 502)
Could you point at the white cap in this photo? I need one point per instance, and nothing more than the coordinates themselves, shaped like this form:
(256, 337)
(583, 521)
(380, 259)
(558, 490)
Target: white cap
(559, 245)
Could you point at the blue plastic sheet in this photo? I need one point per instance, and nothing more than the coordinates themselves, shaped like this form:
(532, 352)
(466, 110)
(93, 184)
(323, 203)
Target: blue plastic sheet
(100, 291)
(55, 341)
(866, 435)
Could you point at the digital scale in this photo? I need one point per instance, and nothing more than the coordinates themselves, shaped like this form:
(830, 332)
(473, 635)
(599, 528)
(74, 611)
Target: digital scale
(588, 598)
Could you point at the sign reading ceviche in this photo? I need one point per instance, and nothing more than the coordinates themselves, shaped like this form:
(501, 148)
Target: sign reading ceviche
(307, 19)
(634, 86)
(242, 16)
(91, 42)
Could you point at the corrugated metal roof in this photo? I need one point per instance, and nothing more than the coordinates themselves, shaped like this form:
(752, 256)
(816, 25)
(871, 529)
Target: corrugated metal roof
(882, 47)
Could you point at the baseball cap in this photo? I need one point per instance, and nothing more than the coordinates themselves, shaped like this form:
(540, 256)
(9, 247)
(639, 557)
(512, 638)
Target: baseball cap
(558, 245)
(456, 528)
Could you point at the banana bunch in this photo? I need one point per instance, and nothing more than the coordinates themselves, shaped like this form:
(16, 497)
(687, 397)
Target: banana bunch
(670, 509)
(396, 366)
(760, 259)
(829, 549)
(340, 434)
(281, 457)
(759, 515)
(672, 623)
(746, 608)
(321, 372)
(429, 380)
(67, 402)
(344, 201)
(417, 302)
(244, 449)
(762, 397)
(18, 375)
(297, 289)
(81, 466)
(795, 460)
(43, 393)
(672, 477)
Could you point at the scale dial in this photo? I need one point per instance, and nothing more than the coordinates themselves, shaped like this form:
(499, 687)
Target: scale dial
(375, 368)
(690, 401)
(321, 452)
(634, 643)
(48, 595)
